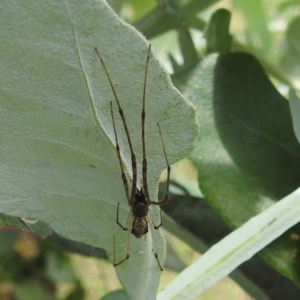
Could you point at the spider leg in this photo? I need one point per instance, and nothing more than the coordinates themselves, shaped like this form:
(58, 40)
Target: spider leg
(119, 158)
(144, 168)
(127, 252)
(166, 197)
(133, 158)
(128, 238)
(117, 219)
(153, 244)
(152, 221)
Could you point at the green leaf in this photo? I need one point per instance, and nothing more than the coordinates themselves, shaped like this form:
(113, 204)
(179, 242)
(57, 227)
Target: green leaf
(32, 290)
(9, 223)
(188, 49)
(217, 32)
(291, 56)
(247, 154)
(295, 111)
(221, 259)
(256, 18)
(58, 160)
(116, 295)
(58, 267)
(166, 18)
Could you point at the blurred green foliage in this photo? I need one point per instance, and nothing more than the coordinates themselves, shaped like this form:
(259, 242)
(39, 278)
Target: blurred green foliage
(182, 32)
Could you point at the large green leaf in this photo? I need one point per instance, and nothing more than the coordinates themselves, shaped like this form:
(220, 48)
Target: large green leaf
(247, 155)
(58, 161)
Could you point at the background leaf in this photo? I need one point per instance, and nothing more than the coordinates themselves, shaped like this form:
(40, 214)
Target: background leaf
(217, 33)
(291, 55)
(247, 155)
(257, 27)
(295, 111)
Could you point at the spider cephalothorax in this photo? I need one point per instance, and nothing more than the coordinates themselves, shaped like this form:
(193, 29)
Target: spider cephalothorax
(140, 211)
(138, 200)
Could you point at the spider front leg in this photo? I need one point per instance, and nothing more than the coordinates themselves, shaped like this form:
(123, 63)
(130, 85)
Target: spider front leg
(133, 158)
(166, 197)
(124, 179)
(143, 115)
(152, 221)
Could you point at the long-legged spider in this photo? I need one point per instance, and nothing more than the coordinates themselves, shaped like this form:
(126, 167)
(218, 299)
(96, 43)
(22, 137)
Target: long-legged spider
(139, 199)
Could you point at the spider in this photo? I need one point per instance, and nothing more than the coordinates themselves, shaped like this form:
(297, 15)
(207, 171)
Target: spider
(138, 199)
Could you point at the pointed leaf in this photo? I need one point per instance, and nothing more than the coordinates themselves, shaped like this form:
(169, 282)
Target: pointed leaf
(58, 160)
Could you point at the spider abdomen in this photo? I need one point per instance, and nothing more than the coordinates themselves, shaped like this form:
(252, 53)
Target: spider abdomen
(139, 227)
